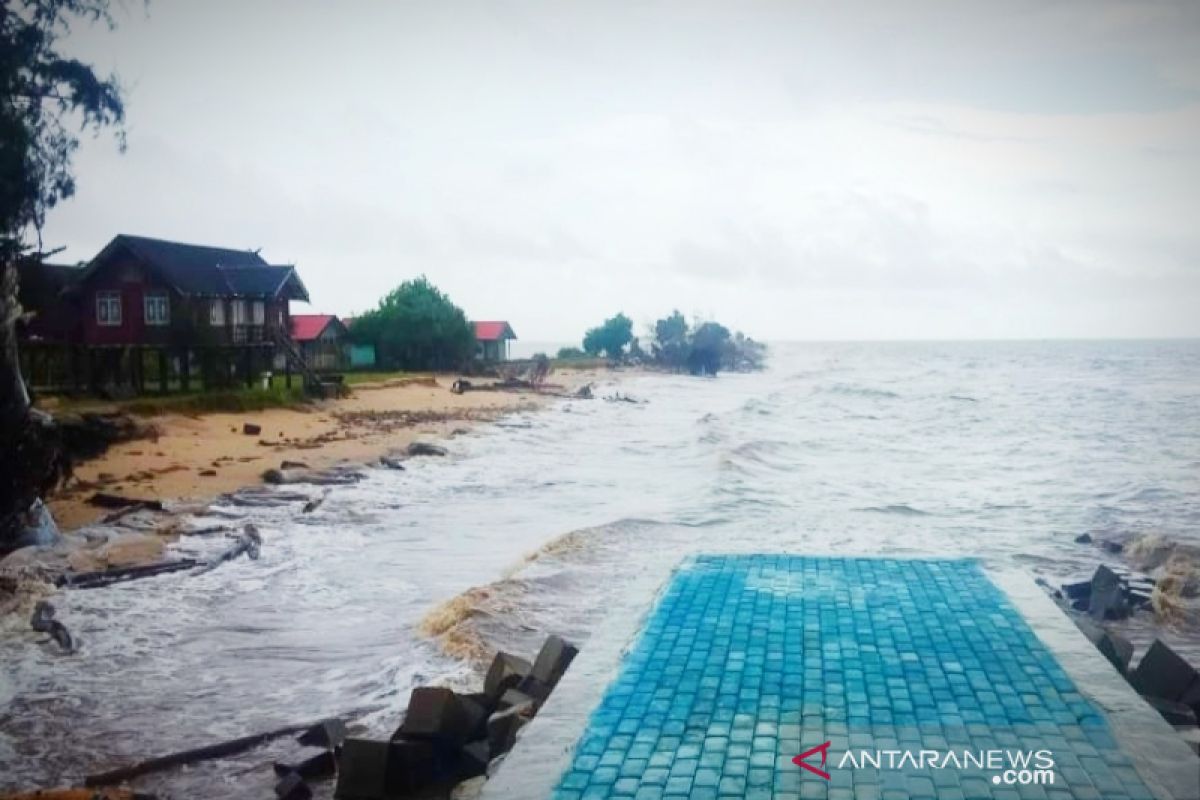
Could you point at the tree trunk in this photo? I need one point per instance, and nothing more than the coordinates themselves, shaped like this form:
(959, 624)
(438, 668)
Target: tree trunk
(33, 461)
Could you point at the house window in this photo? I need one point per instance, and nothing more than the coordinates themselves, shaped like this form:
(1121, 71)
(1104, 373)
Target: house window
(216, 312)
(108, 308)
(239, 312)
(157, 309)
(258, 313)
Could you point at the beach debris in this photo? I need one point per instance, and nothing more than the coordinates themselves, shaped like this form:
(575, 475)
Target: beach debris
(583, 392)
(208, 473)
(623, 398)
(101, 578)
(262, 497)
(208, 752)
(43, 621)
(292, 787)
(342, 476)
(285, 464)
(250, 429)
(425, 449)
(1083, 538)
(460, 386)
(314, 504)
(106, 500)
(248, 542)
(391, 462)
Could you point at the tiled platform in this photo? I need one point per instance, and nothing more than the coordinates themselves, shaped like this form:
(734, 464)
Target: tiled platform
(748, 661)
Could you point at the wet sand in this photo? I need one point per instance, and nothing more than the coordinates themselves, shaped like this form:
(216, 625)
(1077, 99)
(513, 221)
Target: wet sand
(196, 458)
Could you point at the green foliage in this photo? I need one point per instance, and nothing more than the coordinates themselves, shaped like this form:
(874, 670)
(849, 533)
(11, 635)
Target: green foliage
(48, 99)
(705, 349)
(570, 353)
(416, 327)
(609, 338)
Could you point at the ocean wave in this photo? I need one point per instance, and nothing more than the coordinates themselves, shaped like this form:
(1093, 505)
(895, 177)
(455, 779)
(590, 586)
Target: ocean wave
(854, 390)
(900, 509)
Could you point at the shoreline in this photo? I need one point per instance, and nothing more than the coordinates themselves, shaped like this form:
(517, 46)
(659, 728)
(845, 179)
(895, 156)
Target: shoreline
(196, 458)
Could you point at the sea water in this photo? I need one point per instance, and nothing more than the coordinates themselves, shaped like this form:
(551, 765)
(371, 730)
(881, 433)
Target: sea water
(1001, 451)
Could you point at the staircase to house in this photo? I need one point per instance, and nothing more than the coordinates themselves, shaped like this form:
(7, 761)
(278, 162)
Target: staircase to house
(313, 382)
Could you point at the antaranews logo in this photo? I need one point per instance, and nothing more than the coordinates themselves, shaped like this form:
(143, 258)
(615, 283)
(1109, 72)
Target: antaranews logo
(1008, 767)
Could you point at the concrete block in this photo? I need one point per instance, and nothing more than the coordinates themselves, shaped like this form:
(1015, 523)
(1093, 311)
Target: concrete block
(363, 770)
(505, 672)
(329, 733)
(419, 766)
(1078, 590)
(1107, 597)
(439, 714)
(502, 727)
(474, 759)
(1163, 673)
(515, 697)
(1173, 711)
(552, 660)
(310, 766)
(293, 787)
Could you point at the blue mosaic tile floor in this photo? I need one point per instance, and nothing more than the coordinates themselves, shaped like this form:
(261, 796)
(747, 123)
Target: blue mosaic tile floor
(748, 661)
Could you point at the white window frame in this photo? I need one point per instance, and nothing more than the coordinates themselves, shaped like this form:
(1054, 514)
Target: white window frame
(108, 309)
(258, 313)
(216, 312)
(156, 306)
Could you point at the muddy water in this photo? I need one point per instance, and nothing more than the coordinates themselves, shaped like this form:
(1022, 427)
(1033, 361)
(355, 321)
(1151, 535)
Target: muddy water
(536, 524)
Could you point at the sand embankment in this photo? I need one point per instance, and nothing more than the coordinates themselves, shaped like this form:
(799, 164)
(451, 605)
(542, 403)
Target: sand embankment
(195, 458)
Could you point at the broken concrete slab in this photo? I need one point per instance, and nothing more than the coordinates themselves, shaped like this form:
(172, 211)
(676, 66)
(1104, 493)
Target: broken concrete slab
(328, 733)
(1163, 673)
(292, 787)
(505, 673)
(553, 659)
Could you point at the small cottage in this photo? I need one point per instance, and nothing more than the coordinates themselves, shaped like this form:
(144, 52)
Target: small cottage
(491, 340)
(323, 341)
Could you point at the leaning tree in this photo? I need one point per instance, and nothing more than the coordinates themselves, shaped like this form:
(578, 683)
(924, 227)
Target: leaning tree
(48, 100)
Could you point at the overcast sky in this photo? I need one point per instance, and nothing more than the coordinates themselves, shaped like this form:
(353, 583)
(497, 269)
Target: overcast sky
(799, 170)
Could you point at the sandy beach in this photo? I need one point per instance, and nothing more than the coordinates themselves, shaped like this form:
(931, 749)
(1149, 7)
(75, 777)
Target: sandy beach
(195, 458)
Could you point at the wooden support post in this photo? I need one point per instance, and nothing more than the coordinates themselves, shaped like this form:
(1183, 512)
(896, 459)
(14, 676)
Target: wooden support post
(248, 366)
(162, 370)
(185, 370)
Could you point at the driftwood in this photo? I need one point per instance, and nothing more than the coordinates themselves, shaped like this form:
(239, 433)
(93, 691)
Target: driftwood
(127, 510)
(107, 577)
(314, 504)
(209, 752)
(105, 500)
(249, 542)
(43, 621)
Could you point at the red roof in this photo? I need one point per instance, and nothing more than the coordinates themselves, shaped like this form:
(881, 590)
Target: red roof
(493, 331)
(306, 327)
